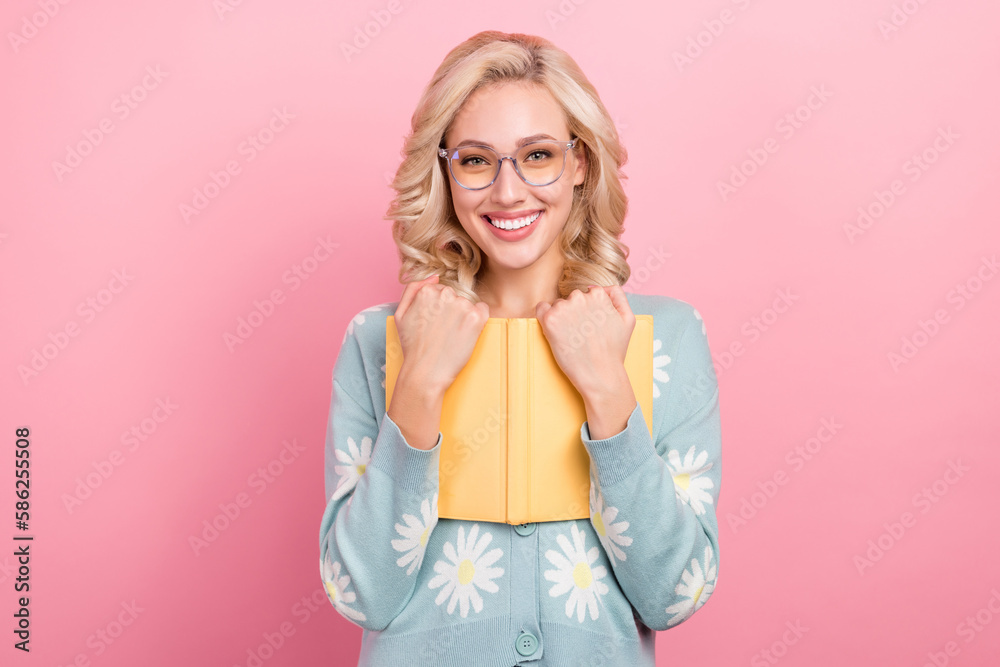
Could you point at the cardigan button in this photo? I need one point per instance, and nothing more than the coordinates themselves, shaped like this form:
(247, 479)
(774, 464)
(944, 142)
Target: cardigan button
(526, 643)
(524, 528)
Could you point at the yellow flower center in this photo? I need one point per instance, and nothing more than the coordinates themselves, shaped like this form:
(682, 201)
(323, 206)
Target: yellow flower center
(423, 536)
(465, 571)
(598, 524)
(697, 595)
(332, 590)
(582, 576)
(361, 468)
(683, 480)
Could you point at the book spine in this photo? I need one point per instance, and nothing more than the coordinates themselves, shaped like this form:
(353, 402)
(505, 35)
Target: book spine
(518, 395)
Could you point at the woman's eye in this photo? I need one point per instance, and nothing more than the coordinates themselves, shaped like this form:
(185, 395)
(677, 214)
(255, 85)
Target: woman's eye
(538, 155)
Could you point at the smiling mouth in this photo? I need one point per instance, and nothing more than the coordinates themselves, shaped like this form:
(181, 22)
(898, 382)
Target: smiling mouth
(516, 223)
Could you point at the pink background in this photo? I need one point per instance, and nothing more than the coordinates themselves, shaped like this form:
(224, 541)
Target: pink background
(324, 174)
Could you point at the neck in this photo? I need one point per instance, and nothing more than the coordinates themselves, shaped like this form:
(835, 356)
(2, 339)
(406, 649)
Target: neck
(516, 292)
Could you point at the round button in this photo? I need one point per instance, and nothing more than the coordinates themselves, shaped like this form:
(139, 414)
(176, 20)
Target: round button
(526, 643)
(524, 528)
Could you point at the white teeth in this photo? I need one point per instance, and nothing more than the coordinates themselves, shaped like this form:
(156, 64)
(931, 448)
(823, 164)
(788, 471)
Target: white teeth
(517, 223)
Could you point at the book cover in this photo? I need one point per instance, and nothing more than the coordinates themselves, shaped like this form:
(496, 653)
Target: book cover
(510, 424)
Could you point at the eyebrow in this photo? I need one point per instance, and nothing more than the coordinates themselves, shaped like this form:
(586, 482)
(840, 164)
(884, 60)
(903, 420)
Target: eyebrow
(521, 142)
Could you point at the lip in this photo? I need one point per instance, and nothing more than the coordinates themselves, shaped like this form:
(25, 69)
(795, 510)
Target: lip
(511, 215)
(516, 234)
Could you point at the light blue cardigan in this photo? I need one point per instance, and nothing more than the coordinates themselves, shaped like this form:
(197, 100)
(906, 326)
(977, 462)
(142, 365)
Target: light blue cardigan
(585, 592)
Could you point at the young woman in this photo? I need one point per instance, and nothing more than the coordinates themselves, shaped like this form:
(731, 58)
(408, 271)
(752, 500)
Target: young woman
(510, 205)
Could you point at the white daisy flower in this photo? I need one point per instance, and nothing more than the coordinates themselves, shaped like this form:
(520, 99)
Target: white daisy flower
(659, 370)
(609, 533)
(697, 316)
(359, 319)
(416, 533)
(336, 588)
(468, 570)
(690, 482)
(575, 574)
(354, 466)
(696, 585)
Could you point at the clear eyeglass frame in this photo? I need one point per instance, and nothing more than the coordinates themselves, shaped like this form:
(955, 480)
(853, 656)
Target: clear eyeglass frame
(444, 152)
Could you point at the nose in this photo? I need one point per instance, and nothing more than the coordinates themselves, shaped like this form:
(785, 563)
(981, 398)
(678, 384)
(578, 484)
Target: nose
(508, 188)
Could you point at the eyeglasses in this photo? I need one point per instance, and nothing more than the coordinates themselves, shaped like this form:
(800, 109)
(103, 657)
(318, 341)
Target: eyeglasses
(538, 163)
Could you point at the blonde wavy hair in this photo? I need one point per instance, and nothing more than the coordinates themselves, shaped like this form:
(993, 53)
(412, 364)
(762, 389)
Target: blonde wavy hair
(427, 232)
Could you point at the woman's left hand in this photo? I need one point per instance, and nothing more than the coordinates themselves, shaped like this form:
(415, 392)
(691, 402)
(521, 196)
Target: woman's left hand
(589, 333)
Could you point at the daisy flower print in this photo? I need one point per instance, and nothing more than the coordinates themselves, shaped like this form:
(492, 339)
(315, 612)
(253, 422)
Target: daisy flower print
(353, 465)
(336, 587)
(608, 531)
(691, 484)
(415, 534)
(466, 571)
(696, 586)
(574, 574)
(359, 319)
(660, 362)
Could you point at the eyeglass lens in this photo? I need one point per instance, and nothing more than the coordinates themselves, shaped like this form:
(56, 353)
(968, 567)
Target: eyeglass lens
(540, 163)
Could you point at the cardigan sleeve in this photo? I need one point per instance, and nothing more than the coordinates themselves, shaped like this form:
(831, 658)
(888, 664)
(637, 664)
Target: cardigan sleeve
(653, 504)
(381, 502)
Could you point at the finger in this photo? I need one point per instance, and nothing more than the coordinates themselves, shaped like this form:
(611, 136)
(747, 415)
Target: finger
(541, 308)
(484, 311)
(410, 292)
(620, 302)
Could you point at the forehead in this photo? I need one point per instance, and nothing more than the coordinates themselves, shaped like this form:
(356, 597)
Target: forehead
(501, 114)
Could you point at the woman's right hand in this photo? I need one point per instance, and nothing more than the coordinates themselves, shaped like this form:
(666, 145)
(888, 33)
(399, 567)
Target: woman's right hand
(438, 330)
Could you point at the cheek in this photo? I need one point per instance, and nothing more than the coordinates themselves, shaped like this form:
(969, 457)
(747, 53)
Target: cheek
(460, 199)
(561, 197)
(464, 210)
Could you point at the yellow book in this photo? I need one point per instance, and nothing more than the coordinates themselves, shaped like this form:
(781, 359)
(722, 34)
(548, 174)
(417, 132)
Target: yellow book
(510, 425)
